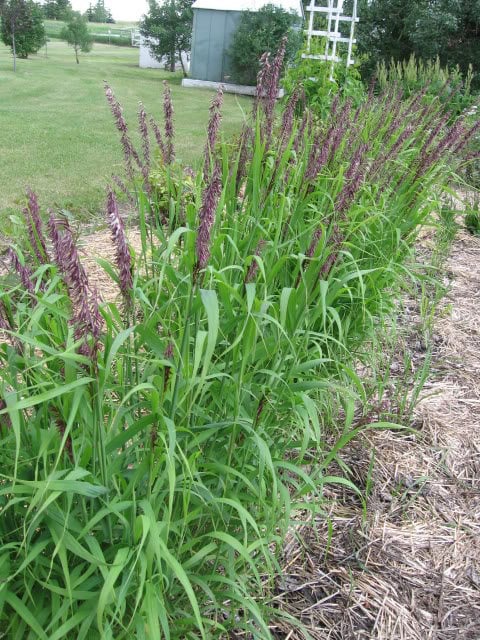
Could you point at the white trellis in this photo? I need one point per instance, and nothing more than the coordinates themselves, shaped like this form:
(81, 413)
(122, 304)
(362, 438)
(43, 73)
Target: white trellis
(333, 13)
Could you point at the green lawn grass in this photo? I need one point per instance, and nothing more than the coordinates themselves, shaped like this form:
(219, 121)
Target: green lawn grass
(94, 27)
(55, 26)
(118, 33)
(57, 135)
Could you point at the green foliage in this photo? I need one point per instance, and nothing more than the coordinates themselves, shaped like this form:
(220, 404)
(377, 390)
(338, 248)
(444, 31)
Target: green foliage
(99, 13)
(77, 35)
(168, 26)
(57, 9)
(472, 218)
(414, 75)
(259, 32)
(147, 486)
(427, 28)
(171, 182)
(22, 27)
(320, 90)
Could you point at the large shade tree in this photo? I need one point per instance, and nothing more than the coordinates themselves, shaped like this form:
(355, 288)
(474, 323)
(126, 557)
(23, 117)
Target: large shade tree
(168, 29)
(22, 27)
(449, 29)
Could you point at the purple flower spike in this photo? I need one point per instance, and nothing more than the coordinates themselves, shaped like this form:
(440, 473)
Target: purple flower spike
(168, 355)
(86, 318)
(143, 128)
(23, 271)
(243, 154)
(451, 140)
(34, 226)
(169, 130)
(318, 155)
(212, 130)
(159, 139)
(128, 148)
(211, 196)
(263, 80)
(169, 351)
(305, 124)
(4, 323)
(466, 137)
(317, 234)
(253, 268)
(5, 418)
(123, 258)
(272, 89)
(353, 180)
(288, 116)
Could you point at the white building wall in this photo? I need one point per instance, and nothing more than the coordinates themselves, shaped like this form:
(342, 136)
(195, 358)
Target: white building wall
(147, 61)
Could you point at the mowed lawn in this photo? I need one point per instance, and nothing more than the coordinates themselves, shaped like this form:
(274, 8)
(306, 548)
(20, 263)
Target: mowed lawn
(57, 134)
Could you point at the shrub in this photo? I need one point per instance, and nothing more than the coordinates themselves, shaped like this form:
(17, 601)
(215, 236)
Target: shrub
(260, 32)
(414, 75)
(153, 448)
(320, 90)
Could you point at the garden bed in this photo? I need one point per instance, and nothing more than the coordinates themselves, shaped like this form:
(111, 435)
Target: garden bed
(410, 568)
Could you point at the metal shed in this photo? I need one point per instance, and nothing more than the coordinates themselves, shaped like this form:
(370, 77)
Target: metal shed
(214, 23)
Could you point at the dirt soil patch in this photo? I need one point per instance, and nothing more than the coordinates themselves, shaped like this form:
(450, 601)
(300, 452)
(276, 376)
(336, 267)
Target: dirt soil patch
(410, 568)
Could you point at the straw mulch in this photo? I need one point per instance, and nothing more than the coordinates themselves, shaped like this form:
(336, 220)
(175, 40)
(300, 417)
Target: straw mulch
(99, 245)
(408, 568)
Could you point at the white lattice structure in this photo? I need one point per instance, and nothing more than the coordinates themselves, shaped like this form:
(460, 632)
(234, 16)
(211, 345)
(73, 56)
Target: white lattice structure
(331, 14)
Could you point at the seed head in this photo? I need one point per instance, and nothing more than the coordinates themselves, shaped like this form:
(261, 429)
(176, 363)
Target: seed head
(169, 129)
(22, 270)
(35, 229)
(211, 196)
(212, 131)
(123, 258)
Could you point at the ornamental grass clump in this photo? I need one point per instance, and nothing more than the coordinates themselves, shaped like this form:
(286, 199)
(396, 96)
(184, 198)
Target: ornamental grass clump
(153, 449)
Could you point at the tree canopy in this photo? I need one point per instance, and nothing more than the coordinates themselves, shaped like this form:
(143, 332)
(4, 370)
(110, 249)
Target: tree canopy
(77, 35)
(168, 28)
(99, 13)
(449, 29)
(22, 27)
(57, 9)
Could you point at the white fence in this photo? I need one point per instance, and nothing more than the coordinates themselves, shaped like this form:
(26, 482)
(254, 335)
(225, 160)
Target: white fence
(331, 14)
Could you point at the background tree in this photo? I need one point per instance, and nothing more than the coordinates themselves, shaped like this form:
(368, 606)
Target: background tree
(57, 9)
(22, 28)
(168, 28)
(99, 13)
(258, 32)
(77, 35)
(449, 29)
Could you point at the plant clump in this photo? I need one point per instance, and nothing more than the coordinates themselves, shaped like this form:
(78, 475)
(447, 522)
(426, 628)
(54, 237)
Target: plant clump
(153, 450)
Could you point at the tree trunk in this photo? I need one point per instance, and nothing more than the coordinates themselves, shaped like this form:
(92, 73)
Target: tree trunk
(172, 61)
(76, 55)
(14, 48)
(181, 62)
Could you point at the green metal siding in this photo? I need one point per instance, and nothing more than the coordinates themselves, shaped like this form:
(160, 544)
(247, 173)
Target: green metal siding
(212, 35)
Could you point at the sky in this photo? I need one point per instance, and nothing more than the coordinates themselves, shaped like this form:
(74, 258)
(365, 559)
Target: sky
(126, 10)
